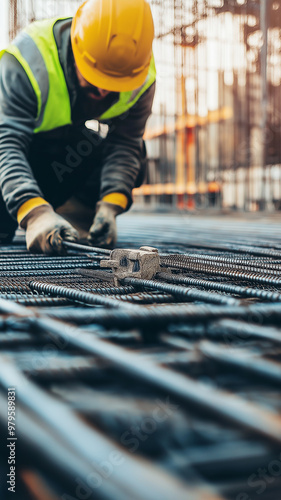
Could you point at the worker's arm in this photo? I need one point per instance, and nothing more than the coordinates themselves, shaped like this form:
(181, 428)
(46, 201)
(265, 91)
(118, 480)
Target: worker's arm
(18, 109)
(124, 147)
(123, 154)
(21, 193)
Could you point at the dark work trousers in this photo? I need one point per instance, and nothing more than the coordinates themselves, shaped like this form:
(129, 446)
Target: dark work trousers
(64, 167)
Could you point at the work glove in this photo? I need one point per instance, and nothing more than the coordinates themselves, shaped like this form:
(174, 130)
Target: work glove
(103, 232)
(46, 230)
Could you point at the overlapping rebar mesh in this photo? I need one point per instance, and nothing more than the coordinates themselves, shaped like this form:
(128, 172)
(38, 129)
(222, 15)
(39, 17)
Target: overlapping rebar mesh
(182, 370)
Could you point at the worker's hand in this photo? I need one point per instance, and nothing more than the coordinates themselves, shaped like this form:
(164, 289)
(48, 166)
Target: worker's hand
(103, 232)
(45, 231)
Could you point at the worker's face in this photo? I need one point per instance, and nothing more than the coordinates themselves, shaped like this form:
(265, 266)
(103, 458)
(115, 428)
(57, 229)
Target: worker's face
(91, 91)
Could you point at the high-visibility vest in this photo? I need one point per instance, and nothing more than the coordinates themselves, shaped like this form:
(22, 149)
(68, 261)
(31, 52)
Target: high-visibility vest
(36, 50)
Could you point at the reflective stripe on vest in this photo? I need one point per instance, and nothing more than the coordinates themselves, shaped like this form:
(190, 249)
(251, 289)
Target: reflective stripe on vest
(128, 99)
(36, 50)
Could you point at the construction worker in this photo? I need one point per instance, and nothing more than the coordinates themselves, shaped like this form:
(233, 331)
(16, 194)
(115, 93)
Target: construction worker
(55, 77)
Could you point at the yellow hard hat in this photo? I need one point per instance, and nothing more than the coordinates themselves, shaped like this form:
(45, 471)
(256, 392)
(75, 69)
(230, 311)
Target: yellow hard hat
(112, 43)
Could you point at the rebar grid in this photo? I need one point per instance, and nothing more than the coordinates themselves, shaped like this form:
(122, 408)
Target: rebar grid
(209, 345)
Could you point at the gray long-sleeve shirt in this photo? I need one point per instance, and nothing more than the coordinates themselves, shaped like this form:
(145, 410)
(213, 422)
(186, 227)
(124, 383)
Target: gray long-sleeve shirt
(18, 109)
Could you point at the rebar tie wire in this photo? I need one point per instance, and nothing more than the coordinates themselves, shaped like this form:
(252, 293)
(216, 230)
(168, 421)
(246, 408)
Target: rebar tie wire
(85, 248)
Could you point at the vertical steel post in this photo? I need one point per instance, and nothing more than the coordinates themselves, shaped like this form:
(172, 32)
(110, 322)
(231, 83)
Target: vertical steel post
(13, 19)
(180, 104)
(264, 92)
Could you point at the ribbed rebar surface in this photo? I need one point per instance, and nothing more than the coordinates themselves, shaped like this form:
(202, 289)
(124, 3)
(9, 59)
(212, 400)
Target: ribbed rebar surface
(182, 370)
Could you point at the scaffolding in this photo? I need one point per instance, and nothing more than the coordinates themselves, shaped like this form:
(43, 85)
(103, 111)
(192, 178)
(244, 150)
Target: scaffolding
(213, 137)
(223, 75)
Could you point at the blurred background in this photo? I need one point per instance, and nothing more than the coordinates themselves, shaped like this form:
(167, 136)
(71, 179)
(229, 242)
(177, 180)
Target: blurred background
(214, 136)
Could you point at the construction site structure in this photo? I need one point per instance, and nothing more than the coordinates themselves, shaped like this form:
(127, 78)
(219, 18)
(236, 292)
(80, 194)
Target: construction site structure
(213, 137)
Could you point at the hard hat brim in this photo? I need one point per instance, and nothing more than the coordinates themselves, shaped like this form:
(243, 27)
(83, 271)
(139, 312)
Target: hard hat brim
(106, 82)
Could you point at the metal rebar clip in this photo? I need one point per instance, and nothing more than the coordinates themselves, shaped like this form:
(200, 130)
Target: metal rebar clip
(143, 263)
